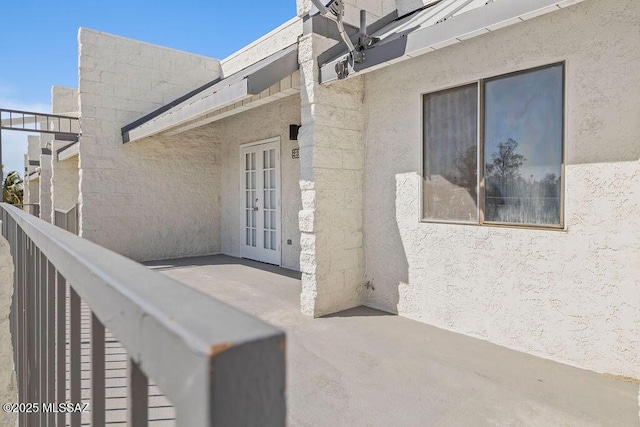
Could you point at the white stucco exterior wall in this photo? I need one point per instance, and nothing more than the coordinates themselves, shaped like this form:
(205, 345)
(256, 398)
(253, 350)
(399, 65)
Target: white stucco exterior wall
(570, 295)
(25, 185)
(155, 198)
(64, 181)
(32, 188)
(46, 141)
(64, 174)
(64, 100)
(264, 122)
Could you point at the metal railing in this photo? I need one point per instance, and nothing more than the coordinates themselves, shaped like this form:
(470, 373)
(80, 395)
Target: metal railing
(67, 220)
(217, 365)
(32, 208)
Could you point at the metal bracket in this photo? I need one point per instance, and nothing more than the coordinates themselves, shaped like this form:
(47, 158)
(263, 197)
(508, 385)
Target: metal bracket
(342, 69)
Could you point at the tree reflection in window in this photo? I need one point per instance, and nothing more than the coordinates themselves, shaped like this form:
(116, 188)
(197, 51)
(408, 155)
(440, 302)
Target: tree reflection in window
(523, 147)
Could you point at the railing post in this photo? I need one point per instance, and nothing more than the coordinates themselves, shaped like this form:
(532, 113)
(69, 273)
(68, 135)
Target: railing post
(51, 340)
(75, 356)
(138, 393)
(21, 348)
(97, 372)
(31, 329)
(42, 345)
(61, 344)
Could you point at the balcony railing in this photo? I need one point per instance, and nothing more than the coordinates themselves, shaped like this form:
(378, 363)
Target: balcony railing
(217, 365)
(67, 220)
(32, 208)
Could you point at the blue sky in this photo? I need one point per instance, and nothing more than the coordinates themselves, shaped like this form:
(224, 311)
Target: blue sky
(39, 48)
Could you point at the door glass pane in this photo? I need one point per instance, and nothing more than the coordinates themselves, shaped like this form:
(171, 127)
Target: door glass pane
(450, 154)
(272, 158)
(523, 147)
(273, 240)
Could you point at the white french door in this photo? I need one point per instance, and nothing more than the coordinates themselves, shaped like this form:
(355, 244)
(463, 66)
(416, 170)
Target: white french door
(260, 217)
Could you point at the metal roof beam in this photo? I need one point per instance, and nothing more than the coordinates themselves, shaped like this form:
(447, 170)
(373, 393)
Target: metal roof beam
(410, 43)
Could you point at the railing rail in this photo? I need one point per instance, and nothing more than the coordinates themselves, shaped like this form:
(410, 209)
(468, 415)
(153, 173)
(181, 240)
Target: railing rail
(217, 365)
(32, 208)
(67, 220)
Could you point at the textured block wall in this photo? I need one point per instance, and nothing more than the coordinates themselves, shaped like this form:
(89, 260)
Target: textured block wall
(33, 153)
(566, 295)
(331, 170)
(65, 174)
(46, 141)
(156, 198)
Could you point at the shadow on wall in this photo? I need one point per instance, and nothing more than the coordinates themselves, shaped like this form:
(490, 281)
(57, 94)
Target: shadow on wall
(383, 291)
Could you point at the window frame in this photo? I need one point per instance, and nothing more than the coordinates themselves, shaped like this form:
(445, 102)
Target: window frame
(480, 187)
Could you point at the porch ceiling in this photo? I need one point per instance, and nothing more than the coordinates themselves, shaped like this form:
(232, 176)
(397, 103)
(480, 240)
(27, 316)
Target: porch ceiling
(68, 151)
(267, 80)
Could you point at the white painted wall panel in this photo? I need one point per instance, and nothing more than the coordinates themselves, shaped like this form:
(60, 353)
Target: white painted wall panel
(571, 295)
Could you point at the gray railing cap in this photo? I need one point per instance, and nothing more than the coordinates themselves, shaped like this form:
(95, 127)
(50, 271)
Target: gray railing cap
(184, 340)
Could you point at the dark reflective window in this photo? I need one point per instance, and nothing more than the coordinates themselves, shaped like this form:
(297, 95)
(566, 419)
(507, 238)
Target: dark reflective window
(522, 150)
(523, 125)
(450, 155)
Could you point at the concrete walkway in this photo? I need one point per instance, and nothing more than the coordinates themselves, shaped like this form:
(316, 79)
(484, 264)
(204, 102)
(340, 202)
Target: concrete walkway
(364, 367)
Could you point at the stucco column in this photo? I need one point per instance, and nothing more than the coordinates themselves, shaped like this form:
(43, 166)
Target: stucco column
(64, 174)
(46, 141)
(331, 169)
(8, 390)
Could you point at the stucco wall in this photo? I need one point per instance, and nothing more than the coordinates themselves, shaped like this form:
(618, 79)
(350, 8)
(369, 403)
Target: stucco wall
(33, 153)
(156, 198)
(64, 174)
(267, 121)
(64, 100)
(34, 191)
(567, 295)
(45, 177)
(64, 181)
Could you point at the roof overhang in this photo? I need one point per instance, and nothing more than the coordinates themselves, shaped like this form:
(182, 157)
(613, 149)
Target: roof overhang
(251, 82)
(443, 24)
(34, 175)
(68, 151)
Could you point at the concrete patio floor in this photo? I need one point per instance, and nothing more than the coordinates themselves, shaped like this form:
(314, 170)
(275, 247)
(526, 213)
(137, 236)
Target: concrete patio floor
(363, 367)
